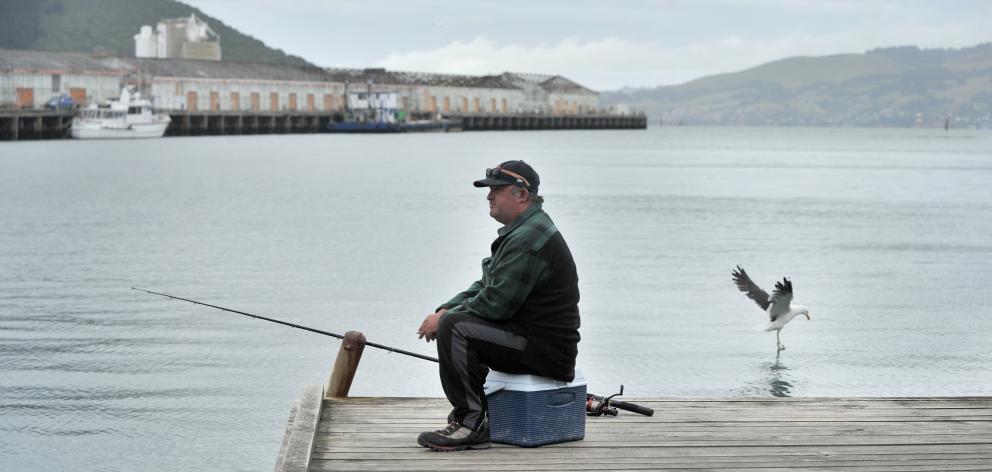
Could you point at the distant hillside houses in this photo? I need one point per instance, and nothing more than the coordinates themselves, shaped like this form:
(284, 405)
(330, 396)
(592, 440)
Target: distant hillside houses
(29, 78)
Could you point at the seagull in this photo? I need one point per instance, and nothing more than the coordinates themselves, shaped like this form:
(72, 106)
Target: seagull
(777, 305)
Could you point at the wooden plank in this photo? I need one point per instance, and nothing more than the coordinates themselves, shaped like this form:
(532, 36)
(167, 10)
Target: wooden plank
(677, 406)
(830, 403)
(686, 451)
(403, 440)
(299, 446)
(716, 433)
(707, 401)
(438, 421)
(762, 408)
(476, 461)
(285, 437)
(594, 437)
(572, 465)
(659, 455)
(701, 418)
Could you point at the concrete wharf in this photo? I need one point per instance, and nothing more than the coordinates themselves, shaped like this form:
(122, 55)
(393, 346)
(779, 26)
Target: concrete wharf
(216, 123)
(329, 431)
(221, 123)
(498, 122)
(34, 124)
(45, 124)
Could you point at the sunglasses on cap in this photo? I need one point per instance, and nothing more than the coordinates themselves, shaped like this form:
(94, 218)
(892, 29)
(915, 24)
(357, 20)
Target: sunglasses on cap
(495, 174)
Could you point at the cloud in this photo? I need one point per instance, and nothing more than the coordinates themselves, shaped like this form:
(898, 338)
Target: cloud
(570, 57)
(611, 63)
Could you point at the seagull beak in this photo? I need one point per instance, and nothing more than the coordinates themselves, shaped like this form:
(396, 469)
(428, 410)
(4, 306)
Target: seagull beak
(807, 316)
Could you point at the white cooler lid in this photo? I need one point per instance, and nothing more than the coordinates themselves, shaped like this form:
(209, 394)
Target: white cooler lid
(497, 381)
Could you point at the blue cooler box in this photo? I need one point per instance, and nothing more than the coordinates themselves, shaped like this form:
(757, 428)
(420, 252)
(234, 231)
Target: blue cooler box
(530, 411)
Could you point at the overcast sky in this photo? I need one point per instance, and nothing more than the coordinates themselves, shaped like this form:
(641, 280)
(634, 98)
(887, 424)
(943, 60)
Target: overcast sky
(604, 45)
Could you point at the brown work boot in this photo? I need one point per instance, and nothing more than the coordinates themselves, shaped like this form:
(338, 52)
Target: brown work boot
(456, 437)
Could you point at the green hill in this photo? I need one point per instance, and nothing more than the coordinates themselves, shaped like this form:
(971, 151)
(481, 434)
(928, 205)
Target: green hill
(110, 25)
(902, 86)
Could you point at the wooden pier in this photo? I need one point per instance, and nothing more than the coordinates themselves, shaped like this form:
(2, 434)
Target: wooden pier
(753, 434)
(329, 431)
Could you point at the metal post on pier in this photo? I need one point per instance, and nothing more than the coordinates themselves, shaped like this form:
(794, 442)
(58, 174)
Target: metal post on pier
(345, 365)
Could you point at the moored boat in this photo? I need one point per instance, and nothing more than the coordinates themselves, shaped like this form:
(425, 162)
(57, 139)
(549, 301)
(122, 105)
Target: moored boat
(130, 116)
(377, 112)
(393, 127)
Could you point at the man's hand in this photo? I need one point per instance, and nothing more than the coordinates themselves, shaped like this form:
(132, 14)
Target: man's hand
(428, 329)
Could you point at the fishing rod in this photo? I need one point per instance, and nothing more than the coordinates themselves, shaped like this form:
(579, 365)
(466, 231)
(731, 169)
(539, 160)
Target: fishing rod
(293, 325)
(602, 405)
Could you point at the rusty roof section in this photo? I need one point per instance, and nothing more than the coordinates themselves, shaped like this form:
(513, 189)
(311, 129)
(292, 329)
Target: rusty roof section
(550, 83)
(563, 85)
(387, 77)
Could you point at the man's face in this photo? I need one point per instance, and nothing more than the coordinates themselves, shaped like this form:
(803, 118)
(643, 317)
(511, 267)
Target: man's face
(503, 205)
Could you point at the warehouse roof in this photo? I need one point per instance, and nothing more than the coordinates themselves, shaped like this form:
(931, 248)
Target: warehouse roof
(190, 68)
(550, 83)
(48, 62)
(561, 84)
(383, 76)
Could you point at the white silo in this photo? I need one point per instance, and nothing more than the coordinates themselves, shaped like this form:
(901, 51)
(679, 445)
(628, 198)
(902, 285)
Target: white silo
(145, 43)
(196, 30)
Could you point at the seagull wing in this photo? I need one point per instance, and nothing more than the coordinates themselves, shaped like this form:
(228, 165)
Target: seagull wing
(781, 297)
(753, 291)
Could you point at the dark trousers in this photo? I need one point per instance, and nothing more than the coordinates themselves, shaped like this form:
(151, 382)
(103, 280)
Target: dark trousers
(467, 347)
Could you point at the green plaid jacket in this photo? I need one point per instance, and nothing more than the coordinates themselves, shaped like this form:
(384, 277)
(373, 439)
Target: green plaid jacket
(510, 274)
(530, 283)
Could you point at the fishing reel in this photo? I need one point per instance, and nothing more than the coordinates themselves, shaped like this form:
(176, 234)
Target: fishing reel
(599, 406)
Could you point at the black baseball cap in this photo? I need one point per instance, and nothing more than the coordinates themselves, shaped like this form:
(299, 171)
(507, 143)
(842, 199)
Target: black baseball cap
(517, 173)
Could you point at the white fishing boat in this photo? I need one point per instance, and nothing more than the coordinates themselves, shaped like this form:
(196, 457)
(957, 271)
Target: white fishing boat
(130, 116)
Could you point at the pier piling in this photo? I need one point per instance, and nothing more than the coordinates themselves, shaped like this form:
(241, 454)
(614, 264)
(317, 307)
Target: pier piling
(47, 124)
(345, 365)
(34, 124)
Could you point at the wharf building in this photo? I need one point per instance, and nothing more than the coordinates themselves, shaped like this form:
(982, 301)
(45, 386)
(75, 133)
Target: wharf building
(184, 85)
(30, 78)
(230, 97)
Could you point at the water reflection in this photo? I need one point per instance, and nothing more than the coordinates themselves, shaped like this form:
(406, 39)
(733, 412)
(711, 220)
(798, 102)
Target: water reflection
(778, 378)
(775, 380)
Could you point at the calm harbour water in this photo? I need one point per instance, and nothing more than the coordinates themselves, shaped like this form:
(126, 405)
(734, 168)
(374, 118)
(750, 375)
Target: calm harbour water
(885, 234)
